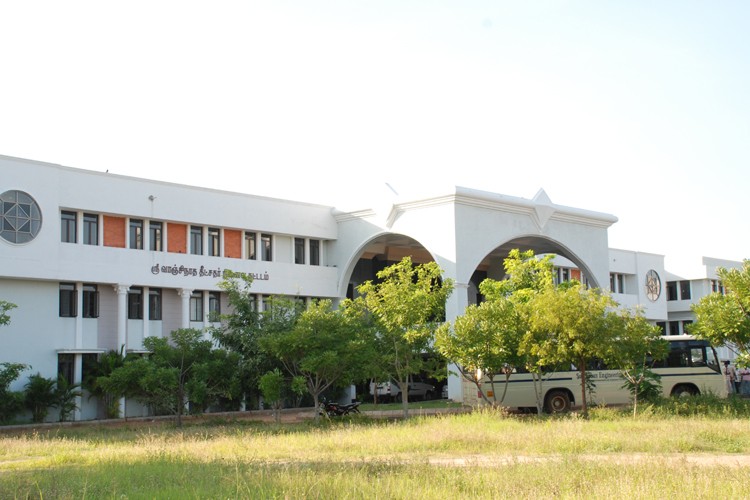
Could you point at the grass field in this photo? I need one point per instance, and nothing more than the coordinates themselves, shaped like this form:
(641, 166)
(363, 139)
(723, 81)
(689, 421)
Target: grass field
(690, 449)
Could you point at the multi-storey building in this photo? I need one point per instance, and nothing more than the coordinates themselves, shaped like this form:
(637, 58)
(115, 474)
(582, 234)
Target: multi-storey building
(96, 261)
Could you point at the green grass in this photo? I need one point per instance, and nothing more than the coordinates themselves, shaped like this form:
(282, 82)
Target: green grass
(484, 454)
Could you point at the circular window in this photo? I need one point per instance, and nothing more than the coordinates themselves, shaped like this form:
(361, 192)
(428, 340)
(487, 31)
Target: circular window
(21, 217)
(653, 285)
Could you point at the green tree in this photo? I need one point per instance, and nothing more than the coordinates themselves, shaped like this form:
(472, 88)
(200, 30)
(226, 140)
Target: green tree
(638, 343)
(407, 305)
(326, 347)
(571, 325)
(4, 308)
(242, 328)
(725, 319)
(273, 385)
(177, 372)
(65, 396)
(484, 342)
(39, 396)
(11, 402)
(105, 364)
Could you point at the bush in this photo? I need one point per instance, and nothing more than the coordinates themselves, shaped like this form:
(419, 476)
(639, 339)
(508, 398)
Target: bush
(11, 402)
(39, 396)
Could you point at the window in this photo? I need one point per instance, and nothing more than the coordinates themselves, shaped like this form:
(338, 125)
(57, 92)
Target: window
(671, 290)
(136, 234)
(250, 245)
(155, 236)
(662, 326)
(154, 303)
(562, 274)
(66, 367)
(196, 240)
(684, 290)
(314, 252)
(68, 300)
(717, 287)
(196, 306)
(135, 303)
(90, 301)
(265, 247)
(214, 306)
(674, 327)
(68, 227)
(616, 283)
(90, 229)
(20, 217)
(299, 250)
(214, 241)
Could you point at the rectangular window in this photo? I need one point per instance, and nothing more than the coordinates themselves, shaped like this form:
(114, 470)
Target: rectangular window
(135, 303)
(155, 236)
(214, 241)
(196, 240)
(299, 250)
(717, 286)
(90, 301)
(250, 243)
(214, 306)
(617, 283)
(66, 367)
(90, 229)
(68, 300)
(196, 306)
(671, 290)
(314, 252)
(684, 290)
(674, 327)
(136, 234)
(662, 326)
(265, 247)
(154, 304)
(68, 227)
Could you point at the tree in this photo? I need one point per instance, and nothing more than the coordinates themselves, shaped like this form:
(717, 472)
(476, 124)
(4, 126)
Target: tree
(241, 330)
(484, 342)
(325, 346)
(571, 325)
(105, 364)
(179, 371)
(526, 275)
(11, 402)
(64, 397)
(4, 308)
(272, 385)
(638, 343)
(725, 319)
(39, 396)
(407, 305)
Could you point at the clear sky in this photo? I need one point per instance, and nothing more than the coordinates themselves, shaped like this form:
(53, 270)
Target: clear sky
(638, 109)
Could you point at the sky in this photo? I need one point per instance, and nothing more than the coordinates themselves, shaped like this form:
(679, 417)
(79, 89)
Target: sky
(637, 109)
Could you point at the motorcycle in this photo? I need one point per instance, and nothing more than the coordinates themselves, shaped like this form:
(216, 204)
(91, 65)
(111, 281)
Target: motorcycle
(332, 409)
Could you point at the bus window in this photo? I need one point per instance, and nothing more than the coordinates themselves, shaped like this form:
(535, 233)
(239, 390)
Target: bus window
(698, 356)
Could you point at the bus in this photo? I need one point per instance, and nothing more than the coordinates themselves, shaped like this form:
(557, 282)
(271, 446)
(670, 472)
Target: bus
(691, 367)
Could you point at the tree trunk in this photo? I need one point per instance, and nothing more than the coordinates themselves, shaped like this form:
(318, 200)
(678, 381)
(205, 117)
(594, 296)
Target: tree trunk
(582, 364)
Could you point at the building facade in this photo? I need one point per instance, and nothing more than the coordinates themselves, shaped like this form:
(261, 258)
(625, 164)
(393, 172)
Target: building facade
(96, 261)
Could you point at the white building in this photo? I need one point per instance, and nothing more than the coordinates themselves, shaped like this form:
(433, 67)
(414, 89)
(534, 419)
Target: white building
(97, 261)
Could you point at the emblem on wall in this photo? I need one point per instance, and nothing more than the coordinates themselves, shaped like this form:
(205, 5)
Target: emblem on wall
(653, 285)
(21, 217)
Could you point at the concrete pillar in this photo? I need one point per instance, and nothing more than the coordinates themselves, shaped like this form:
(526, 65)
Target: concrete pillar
(184, 294)
(454, 307)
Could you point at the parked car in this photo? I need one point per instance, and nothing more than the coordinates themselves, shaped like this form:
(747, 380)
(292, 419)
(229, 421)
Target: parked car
(418, 389)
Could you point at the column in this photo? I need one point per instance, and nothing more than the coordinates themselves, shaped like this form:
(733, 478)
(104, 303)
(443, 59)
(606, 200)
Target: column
(122, 315)
(454, 307)
(146, 312)
(184, 294)
(77, 378)
(79, 316)
(122, 326)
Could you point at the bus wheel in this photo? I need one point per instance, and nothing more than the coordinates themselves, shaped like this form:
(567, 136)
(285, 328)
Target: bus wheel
(684, 391)
(557, 402)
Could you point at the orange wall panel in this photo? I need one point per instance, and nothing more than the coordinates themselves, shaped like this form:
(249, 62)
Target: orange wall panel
(114, 231)
(177, 237)
(233, 243)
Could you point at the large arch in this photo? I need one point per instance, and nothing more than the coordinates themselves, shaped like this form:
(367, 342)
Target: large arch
(383, 249)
